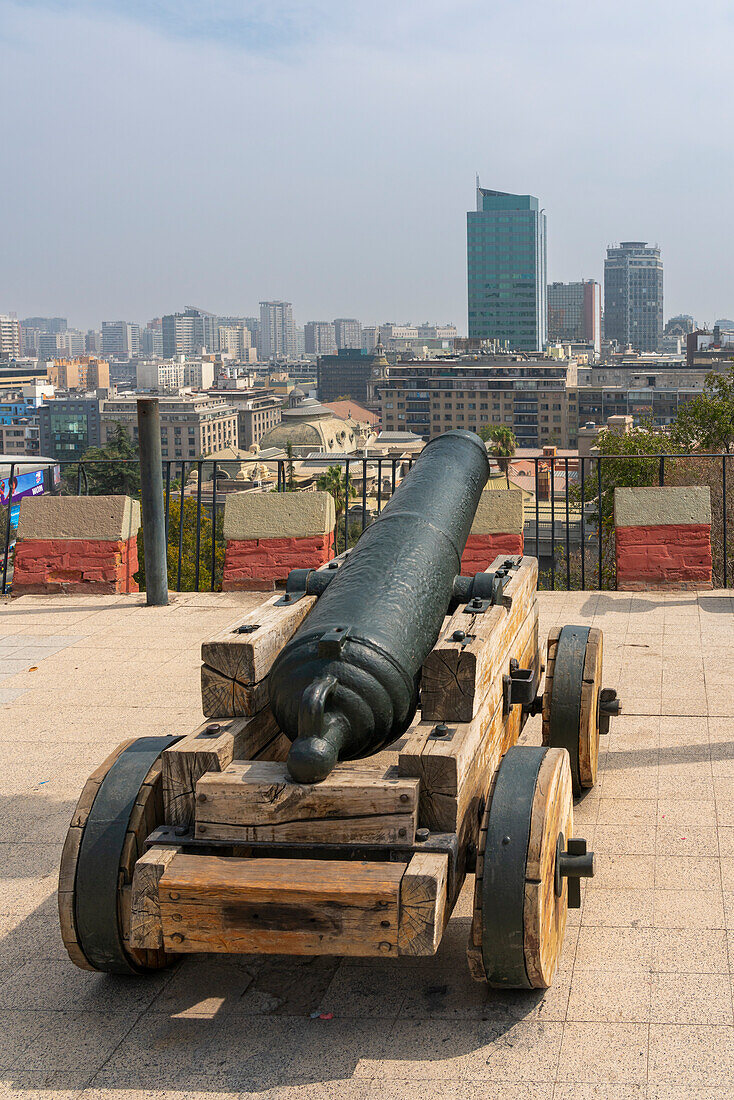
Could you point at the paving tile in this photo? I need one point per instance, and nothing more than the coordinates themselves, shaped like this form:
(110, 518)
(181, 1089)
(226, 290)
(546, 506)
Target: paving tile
(614, 1052)
(626, 811)
(699, 1055)
(677, 950)
(689, 909)
(623, 872)
(610, 997)
(690, 999)
(685, 811)
(673, 872)
(618, 908)
(692, 840)
(614, 949)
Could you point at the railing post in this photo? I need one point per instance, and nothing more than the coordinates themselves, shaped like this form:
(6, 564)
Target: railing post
(724, 518)
(8, 526)
(583, 530)
(151, 501)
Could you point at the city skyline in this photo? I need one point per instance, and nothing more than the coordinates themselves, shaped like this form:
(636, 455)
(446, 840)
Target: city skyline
(372, 220)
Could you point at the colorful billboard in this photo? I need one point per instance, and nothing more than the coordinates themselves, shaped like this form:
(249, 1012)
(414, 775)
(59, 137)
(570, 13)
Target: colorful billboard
(23, 485)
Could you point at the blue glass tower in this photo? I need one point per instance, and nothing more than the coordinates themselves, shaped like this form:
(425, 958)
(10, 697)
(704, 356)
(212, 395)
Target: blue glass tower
(507, 270)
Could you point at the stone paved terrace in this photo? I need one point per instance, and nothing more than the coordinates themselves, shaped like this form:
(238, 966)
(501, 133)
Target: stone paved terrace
(641, 1008)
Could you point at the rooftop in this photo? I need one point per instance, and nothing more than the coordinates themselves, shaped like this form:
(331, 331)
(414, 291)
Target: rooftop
(640, 1010)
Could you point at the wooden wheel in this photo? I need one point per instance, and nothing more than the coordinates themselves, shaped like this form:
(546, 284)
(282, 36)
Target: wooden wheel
(521, 893)
(120, 805)
(571, 714)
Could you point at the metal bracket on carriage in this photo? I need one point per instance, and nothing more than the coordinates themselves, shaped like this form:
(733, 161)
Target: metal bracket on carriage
(310, 582)
(521, 686)
(609, 707)
(572, 863)
(484, 590)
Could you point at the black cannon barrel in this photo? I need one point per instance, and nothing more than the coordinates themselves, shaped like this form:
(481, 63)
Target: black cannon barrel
(347, 682)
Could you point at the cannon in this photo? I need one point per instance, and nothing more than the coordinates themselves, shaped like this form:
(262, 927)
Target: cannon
(362, 755)
(347, 682)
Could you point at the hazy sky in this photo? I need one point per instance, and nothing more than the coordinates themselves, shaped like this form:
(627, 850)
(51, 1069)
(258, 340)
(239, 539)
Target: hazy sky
(164, 153)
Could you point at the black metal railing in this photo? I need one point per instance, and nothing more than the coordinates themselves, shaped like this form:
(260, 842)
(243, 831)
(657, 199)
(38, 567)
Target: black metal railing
(566, 495)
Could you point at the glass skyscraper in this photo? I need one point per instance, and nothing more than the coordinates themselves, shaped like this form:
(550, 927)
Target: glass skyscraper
(507, 265)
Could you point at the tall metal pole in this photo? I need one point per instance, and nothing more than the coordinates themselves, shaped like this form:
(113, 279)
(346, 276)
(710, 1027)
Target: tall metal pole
(151, 499)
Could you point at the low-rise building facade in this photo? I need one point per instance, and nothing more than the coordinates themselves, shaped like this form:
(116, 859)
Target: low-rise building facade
(536, 398)
(191, 426)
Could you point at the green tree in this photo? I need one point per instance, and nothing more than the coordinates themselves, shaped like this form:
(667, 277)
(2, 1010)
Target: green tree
(289, 476)
(188, 548)
(112, 470)
(629, 460)
(502, 445)
(706, 422)
(334, 481)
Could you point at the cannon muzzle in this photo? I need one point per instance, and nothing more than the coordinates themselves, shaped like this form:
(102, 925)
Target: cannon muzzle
(346, 684)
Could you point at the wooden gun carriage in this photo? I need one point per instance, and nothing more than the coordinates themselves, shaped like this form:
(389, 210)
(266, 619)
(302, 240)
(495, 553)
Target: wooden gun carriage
(207, 843)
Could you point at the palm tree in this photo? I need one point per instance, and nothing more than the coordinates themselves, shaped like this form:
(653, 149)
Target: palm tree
(334, 481)
(502, 445)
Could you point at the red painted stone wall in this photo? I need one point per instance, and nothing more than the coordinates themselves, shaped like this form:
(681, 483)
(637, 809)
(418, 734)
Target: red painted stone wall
(75, 565)
(664, 557)
(256, 564)
(481, 550)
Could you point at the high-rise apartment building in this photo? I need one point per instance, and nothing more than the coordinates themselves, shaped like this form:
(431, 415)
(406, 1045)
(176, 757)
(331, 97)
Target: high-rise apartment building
(574, 313)
(347, 332)
(84, 373)
(9, 337)
(120, 340)
(633, 295)
(507, 270)
(189, 333)
(319, 338)
(277, 335)
(235, 339)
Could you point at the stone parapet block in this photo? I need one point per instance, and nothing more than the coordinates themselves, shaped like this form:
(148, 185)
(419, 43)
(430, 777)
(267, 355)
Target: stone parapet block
(76, 566)
(499, 512)
(99, 519)
(481, 550)
(249, 516)
(663, 557)
(256, 564)
(664, 505)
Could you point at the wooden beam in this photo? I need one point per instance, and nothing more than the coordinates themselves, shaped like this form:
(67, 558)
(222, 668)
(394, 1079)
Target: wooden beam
(280, 906)
(423, 908)
(457, 675)
(259, 801)
(248, 657)
(455, 771)
(146, 929)
(212, 750)
(224, 697)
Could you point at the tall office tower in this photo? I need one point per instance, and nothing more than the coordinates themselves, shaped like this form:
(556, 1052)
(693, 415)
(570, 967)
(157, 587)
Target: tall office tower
(574, 313)
(319, 338)
(9, 336)
(347, 332)
(507, 264)
(277, 337)
(120, 340)
(633, 295)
